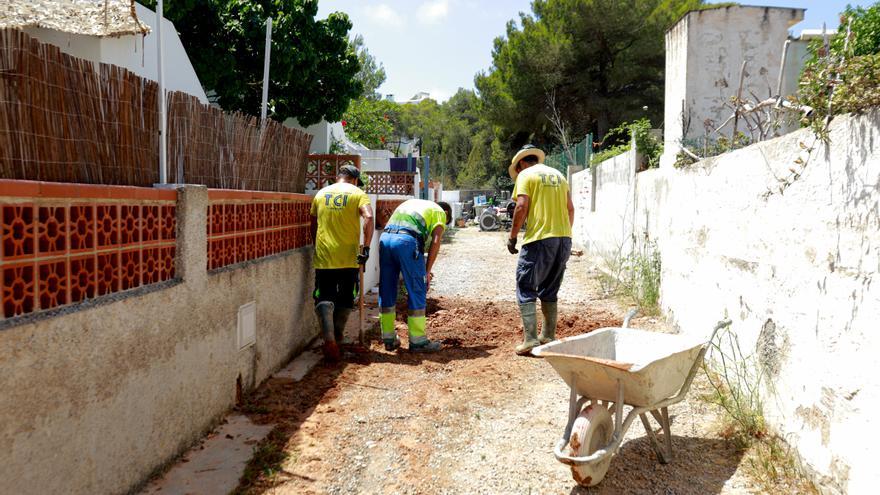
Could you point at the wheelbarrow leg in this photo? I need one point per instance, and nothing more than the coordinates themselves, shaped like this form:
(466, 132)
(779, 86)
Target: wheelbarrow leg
(662, 417)
(573, 408)
(649, 430)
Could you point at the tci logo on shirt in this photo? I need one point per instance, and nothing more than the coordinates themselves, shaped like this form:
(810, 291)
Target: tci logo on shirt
(549, 180)
(336, 201)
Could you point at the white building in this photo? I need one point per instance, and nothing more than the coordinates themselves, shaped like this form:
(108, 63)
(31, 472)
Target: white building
(417, 98)
(117, 32)
(705, 51)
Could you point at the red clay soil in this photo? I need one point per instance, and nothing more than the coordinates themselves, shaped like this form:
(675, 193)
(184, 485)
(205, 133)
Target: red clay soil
(466, 324)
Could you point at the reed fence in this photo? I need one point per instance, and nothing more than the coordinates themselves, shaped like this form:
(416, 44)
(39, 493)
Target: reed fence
(66, 119)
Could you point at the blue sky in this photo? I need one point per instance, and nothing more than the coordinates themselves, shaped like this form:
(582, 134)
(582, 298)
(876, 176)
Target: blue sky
(438, 45)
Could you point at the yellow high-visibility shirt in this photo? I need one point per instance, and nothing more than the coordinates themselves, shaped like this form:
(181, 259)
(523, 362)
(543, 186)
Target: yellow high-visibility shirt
(337, 208)
(547, 190)
(420, 216)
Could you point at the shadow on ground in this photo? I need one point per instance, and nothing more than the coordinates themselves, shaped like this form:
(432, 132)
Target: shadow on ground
(469, 331)
(288, 404)
(700, 466)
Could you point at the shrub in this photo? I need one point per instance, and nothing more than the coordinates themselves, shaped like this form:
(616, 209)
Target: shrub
(642, 278)
(706, 147)
(846, 76)
(619, 140)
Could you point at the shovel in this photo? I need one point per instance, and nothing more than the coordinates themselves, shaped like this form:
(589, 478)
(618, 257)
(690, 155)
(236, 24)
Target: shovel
(361, 306)
(360, 347)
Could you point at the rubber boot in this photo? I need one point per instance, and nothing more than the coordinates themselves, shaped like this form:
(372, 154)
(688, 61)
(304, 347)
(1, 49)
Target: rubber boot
(389, 334)
(426, 346)
(530, 329)
(340, 319)
(548, 331)
(324, 310)
(418, 340)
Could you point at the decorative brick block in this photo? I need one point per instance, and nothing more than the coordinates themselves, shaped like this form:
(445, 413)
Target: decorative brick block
(107, 225)
(108, 273)
(130, 224)
(151, 266)
(241, 249)
(130, 269)
(77, 242)
(260, 216)
(82, 228)
(169, 223)
(273, 211)
(247, 229)
(52, 230)
(321, 170)
(216, 220)
(18, 232)
(166, 262)
(82, 278)
(53, 284)
(228, 251)
(150, 224)
(18, 289)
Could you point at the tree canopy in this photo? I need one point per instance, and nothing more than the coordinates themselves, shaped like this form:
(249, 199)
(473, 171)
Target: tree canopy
(567, 68)
(370, 122)
(314, 67)
(452, 133)
(372, 73)
(597, 62)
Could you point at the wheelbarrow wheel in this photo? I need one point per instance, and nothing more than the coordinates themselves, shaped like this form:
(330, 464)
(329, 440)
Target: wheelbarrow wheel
(591, 431)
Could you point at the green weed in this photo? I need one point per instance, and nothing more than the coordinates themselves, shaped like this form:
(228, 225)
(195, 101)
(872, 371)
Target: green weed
(640, 278)
(267, 461)
(736, 380)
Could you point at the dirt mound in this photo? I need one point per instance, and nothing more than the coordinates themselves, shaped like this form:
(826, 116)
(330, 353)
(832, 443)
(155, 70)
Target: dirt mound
(462, 324)
(570, 324)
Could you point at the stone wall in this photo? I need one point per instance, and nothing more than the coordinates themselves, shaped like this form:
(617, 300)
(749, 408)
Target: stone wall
(607, 232)
(794, 270)
(101, 393)
(705, 51)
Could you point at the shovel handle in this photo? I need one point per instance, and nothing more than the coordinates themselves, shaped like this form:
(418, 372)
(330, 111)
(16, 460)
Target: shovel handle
(361, 305)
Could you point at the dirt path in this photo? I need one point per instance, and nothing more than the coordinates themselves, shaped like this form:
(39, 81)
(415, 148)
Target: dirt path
(473, 418)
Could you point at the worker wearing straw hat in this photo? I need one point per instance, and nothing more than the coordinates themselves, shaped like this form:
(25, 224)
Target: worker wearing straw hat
(336, 213)
(541, 194)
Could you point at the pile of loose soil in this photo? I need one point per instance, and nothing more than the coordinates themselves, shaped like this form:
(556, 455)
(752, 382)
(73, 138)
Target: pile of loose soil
(489, 322)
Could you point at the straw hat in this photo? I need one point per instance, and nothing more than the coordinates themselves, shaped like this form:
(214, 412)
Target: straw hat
(524, 152)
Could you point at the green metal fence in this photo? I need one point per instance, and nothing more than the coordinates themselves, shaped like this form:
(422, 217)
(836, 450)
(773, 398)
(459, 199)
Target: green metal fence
(578, 155)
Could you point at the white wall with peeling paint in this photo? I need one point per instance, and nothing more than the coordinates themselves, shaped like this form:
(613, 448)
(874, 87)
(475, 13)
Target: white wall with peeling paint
(795, 270)
(705, 51)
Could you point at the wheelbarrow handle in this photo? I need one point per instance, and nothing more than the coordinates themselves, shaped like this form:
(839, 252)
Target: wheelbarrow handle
(696, 366)
(720, 325)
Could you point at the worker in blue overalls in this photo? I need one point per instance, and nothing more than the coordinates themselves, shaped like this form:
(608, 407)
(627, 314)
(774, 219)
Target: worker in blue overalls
(414, 225)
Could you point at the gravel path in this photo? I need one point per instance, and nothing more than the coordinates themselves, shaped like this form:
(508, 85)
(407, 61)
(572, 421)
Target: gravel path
(474, 418)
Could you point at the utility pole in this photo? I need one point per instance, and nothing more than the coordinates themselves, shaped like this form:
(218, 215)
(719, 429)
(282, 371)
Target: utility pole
(266, 57)
(163, 124)
(427, 169)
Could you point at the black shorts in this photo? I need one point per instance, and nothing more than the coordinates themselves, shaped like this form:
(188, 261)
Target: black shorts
(338, 285)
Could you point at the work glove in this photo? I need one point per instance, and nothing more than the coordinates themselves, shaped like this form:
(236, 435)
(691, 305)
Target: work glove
(363, 256)
(511, 246)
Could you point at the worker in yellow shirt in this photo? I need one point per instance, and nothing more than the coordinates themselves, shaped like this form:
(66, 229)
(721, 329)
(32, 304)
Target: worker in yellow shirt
(336, 213)
(541, 194)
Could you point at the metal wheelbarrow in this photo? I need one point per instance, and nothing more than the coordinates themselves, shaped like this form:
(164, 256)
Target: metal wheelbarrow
(608, 369)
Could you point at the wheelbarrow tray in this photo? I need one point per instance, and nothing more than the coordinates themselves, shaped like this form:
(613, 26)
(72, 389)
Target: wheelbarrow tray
(651, 366)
